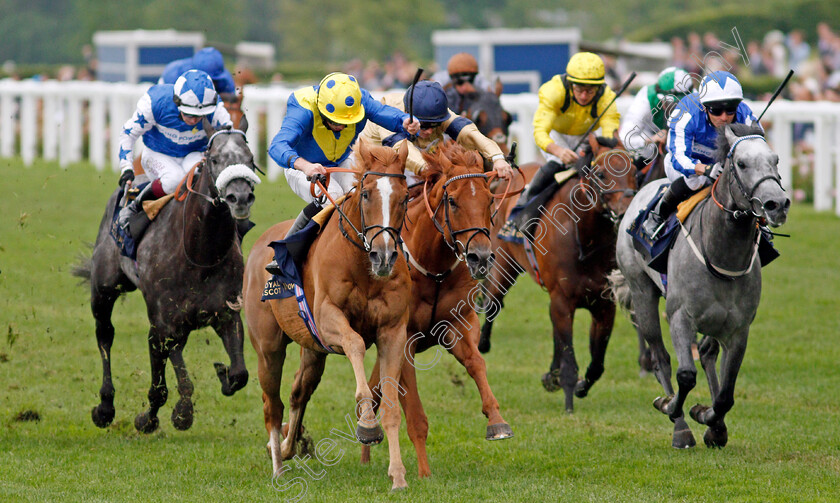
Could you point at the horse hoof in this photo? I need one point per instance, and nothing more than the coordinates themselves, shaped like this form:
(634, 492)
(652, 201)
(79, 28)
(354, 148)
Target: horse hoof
(661, 402)
(698, 413)
(683, 439)
(484, 345)
(222, 374)
(369, 436)
(581, 389)
(498, 431)
(146, 424)
(182, 414)
(716, 437)
(102, 415)
(646, 362)
(551, 381)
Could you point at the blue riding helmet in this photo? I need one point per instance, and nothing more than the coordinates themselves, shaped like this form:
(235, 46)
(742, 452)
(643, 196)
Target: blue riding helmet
(430, 103)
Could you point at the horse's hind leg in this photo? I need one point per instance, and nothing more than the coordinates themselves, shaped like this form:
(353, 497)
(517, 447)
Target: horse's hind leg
(733, 355)
(466, 352)
(182, 413)
(229, 328)
(603, 317)
(502, 276)
(102, 305)
(306, 381)
(271, 354)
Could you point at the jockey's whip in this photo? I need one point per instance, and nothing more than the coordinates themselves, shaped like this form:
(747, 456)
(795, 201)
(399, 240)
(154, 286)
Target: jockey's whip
(778, 90)
(619, 93)
(411, 96)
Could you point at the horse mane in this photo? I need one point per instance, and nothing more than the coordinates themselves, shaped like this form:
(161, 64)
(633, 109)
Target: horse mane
(447, 155)
(371, 154)
(722, 143)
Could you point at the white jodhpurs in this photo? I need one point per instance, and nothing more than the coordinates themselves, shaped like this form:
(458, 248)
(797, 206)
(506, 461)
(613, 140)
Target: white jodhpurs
(340, 183)
(170, 170)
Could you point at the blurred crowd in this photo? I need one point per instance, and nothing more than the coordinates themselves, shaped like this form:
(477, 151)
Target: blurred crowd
(817, 69)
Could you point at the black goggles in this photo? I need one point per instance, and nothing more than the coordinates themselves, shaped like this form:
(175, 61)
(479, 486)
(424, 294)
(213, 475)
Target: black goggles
(429, 125)
(720, 108)
(462, 78)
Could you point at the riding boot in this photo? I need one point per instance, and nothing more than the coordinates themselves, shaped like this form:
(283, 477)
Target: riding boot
(302, 219)
(656, 219)
(135, 206)
(542, 179)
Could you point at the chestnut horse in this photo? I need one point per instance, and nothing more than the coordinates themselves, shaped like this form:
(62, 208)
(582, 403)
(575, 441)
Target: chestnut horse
(449, 250)
(358, 287)
(574, 250)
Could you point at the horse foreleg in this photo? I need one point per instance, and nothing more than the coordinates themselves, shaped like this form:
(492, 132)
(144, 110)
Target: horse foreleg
(372, 382)
(102, 305)
(563, 372)
(646, 319)
(709, 349)
(159, 347)
(503, 274)
(466, 352)
(683, 334)
(306, 381)
(416, 422)
(733, 355)
(229, 328)
(603, 317)
(390, 345)
(182, 413)
(270, 344)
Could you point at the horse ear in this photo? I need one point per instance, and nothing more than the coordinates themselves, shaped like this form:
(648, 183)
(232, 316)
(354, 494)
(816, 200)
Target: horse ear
(243, 124)
(497, 87)
(364, 152)
(731, 137)
(208, 128)
(593, 143)
(403, 152)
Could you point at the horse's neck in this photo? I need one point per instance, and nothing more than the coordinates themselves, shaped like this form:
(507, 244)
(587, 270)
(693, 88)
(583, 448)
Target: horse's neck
(425, 242)
(208, 228)
(591, 226)
(728, 242)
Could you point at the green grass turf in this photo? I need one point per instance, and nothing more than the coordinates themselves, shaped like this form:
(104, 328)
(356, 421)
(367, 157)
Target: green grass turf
(784, 442)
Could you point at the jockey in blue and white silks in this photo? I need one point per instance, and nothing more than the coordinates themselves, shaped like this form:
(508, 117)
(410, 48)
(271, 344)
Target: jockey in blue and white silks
(320, 127)
(693, 130)
(168, 117)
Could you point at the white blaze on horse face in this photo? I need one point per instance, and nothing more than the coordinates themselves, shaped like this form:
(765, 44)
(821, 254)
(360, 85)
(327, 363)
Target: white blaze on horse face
(472, 188)
(385, 190)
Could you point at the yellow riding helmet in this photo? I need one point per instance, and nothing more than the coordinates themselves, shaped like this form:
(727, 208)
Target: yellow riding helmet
(340, 98)
(585, 68)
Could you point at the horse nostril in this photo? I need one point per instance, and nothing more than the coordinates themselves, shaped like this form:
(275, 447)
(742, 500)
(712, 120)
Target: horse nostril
(787, 204)
(251, 199)
(472, 258)
(374, 257)
(770, 206)
(393, 258)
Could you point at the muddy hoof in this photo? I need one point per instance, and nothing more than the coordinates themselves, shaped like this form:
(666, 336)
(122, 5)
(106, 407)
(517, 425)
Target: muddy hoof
(716, 437)
(551, 381)
(182, 414)
(499, 431)
(582, 388)
(102, 415)
(369, 436)
(145, 424)
(661, 402)
(683, 439)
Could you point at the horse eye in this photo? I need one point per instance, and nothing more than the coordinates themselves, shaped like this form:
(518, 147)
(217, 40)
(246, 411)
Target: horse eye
(741, 165)
(601, 176)
(365, 195)
(452, 202)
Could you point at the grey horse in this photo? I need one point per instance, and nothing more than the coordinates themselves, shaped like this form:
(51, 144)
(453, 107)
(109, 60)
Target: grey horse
(713, 280)
(189, 268)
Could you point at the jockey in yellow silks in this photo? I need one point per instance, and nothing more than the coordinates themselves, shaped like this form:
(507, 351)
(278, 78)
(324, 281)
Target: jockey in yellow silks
(320, 127)
(569, 104)
(436, 120)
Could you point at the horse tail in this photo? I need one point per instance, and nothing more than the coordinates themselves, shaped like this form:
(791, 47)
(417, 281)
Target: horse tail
(82, 269)
(620, 290)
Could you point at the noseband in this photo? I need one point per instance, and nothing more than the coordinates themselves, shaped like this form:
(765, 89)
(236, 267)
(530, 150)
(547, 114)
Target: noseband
(748, 195)
(456, 246)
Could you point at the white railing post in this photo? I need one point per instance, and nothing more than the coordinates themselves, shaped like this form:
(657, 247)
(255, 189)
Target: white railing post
(8, 125)
(97, 130)
(28, 128)
(274, 119)
(822, 164)
(49, 124)
(782, 138)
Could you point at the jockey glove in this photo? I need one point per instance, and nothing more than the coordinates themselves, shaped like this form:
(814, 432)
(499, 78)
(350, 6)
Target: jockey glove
(126, 176)
(715, 171)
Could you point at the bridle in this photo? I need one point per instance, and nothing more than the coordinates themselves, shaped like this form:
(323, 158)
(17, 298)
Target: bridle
(455, 244)
(602, 193)
(748, 195)
(365, 245)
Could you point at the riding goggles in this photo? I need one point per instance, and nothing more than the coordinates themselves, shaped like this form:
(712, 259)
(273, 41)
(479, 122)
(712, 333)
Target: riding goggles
(429, 125)
(462, 78)
(719, 108)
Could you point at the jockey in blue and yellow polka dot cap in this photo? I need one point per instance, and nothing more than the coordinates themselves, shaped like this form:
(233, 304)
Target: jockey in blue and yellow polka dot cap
(321, 125)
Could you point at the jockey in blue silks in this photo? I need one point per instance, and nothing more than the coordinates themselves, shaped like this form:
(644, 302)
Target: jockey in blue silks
(208, 60)
(693, 129)
(168, 117)
(320, 127)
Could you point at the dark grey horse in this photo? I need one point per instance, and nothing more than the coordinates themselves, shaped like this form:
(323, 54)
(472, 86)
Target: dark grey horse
(189, 268)
(714, 280)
